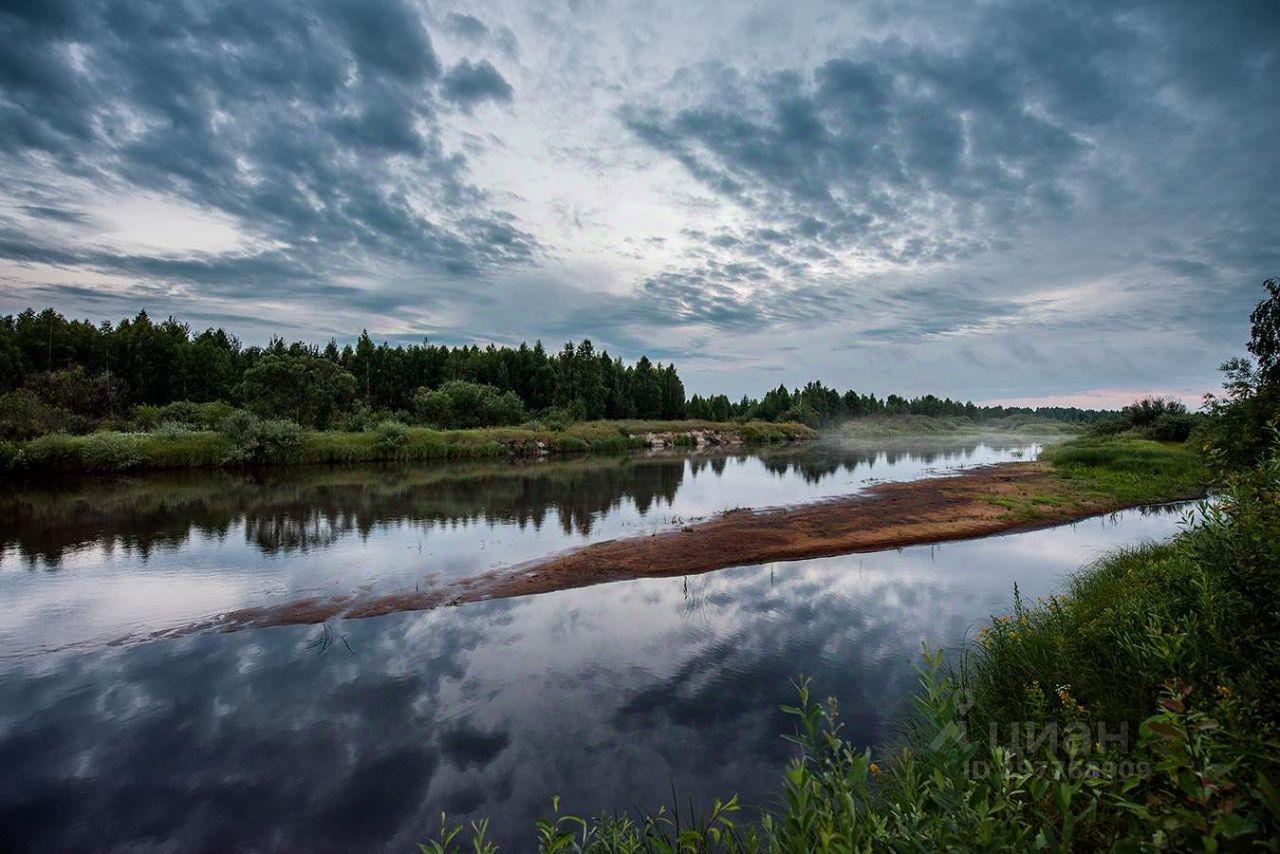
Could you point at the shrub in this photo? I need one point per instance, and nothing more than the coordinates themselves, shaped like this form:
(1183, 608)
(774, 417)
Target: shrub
(145, 417)
(390, 437)
(8, 455)
(307, 389)
(461, 405)
(363, 419)
(52, 451)
(182, 412)
(25, 416)
(1107, 427)
(260, 441)
(213, 413)
(1170, 427)
(108, 452)
(1142, 413)
(170, 430)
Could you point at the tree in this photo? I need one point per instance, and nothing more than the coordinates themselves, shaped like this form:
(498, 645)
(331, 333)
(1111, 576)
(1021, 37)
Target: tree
(1264, 339)
(459, 404)
(308, 390)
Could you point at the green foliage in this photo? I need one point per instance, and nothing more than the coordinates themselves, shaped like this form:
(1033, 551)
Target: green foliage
(257, 441)
(1170, 427)
(1264, 339)
(459, 405)
(51, 452)
(1148, 410)
(1158, 418)
(1130, 471)
(307, 390)
(111, 452)
(92, 374)
(390, 438)
(9, 452)
(1186, 629)
(1247, 414)
(24, 416)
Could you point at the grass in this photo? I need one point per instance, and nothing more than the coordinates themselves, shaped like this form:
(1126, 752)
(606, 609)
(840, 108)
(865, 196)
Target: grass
(1129, 471)
(1100, 475)
(173, 449)
(1139, 711)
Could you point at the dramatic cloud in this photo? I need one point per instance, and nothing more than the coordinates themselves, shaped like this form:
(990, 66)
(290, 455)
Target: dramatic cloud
(989, 199)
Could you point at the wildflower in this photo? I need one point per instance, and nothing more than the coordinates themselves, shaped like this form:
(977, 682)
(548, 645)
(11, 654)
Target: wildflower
(1224, 692)
(874, 769)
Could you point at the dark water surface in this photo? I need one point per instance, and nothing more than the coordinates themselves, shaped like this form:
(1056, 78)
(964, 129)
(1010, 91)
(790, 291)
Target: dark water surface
(355, 735)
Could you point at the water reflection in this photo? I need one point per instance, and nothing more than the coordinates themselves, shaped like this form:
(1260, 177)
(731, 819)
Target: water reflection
(297, 510)
(606, 695)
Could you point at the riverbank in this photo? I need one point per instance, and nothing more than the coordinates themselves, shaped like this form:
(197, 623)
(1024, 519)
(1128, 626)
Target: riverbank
(277, 443)
(1075, 481)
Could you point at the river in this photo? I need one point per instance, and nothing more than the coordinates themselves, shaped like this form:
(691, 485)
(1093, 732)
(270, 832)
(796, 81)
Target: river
(357, 734)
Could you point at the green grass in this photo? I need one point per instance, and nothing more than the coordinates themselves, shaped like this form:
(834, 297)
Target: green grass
(172, 449)
(1130, 471)
(1139, 711)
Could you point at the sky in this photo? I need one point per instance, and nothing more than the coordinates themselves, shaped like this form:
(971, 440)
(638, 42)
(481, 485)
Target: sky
(999, 201)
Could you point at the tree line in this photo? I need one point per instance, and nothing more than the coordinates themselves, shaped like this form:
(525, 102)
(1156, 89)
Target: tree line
(89, 373)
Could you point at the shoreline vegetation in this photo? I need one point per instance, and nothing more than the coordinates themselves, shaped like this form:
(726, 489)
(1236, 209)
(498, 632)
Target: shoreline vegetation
(140, 394)
(243, 440)
(258, 443)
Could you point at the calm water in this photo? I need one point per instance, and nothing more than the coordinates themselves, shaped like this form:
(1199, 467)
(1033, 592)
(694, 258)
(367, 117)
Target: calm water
(357, 734)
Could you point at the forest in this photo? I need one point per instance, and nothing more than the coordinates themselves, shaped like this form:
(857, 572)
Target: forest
(75, 376)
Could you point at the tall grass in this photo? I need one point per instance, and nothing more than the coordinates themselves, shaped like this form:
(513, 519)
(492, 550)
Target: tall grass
(1130, 470)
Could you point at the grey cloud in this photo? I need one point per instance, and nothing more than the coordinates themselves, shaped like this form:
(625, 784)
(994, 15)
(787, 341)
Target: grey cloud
(314, 128)
(1030, 117)
(466, 26)
(468, 84)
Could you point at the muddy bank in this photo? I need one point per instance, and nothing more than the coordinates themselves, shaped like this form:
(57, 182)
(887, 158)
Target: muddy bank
(980, 502)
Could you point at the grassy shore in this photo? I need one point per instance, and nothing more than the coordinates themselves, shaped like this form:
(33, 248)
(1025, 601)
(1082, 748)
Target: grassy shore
(280, 443)
(1099, 474)
(1137, 711)
(905, 426)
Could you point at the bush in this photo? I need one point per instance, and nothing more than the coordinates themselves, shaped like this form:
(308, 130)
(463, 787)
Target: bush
(170, 430)
(145, 417)
(1142, 413)
(1107, 427)
(182, 412)
(8, 455)
(461, 405)
(254, 440)
(108, 452)
(307, 389)
(1170, 427)
(53, 451)
(362, 419)
(390, 438)
(214, 413)
(25, 416)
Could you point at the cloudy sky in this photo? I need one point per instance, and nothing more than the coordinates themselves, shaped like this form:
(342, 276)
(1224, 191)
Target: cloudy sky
(994, 200)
